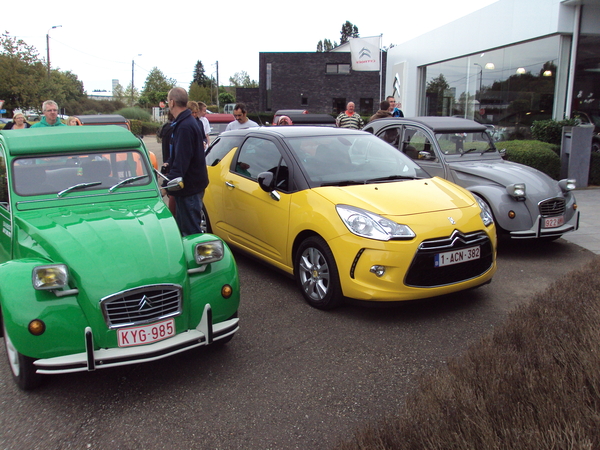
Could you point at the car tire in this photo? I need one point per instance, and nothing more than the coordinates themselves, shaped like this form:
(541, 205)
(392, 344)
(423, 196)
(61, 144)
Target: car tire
(317, 274)
(21, 366)
(205, 222)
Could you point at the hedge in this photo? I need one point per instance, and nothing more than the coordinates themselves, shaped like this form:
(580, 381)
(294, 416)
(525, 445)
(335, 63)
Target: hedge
(539, 155)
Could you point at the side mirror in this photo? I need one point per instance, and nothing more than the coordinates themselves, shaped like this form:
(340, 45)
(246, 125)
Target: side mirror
(265, 181)
(426, 155)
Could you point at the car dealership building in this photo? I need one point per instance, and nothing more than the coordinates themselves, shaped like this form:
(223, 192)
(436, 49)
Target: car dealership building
(511, 61)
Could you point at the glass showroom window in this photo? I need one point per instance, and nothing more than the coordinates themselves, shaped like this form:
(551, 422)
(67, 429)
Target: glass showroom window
(511, 86)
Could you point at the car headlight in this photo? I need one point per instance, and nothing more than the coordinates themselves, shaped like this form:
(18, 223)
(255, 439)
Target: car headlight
(50, 277)
(567, 184)
(208, 252)
(516, 191)
(486, 213)
(373, 226)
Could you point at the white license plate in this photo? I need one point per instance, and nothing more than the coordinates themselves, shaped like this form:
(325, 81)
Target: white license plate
(146, 334)
(457, 256)
(553, 222)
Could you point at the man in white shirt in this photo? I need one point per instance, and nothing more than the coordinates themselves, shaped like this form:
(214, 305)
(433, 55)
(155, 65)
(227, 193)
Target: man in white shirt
(241, 119)
(204, 121)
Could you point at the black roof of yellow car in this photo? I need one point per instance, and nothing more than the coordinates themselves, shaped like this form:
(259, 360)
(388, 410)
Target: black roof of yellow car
(46, 140)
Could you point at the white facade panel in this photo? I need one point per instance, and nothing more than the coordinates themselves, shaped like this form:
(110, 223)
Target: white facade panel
(500, 24)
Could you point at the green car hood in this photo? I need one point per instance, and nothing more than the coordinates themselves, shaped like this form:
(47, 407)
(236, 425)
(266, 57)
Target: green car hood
(107, 248)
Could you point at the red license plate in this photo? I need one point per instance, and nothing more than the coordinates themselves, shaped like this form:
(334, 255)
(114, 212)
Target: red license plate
(554, 222)
(146, 334)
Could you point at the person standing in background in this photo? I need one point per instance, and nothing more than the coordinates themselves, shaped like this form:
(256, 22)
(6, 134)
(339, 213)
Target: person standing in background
(50, 119)
(394, 108)
(350, 118)
(18, 123)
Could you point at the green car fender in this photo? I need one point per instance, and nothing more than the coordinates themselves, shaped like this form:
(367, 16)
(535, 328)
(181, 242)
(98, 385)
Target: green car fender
(208, 281)
(21, 304)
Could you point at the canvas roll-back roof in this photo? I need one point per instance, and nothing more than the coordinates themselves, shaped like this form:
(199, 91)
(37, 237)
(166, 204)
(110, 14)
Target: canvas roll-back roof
(52, 140)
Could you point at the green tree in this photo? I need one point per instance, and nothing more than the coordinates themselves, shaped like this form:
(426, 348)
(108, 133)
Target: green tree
(118, 93)
(22, 73)
(131, 96)
(226, 97)
(319, 46)
(200, 93)
(348, 31)
(156, 88)
(242, 79)
(200, 77)
(62, 87)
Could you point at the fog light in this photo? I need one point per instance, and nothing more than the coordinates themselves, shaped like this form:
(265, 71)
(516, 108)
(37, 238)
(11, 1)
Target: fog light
(226, 291)
(512, 214)
(37, 327)
(378, 270)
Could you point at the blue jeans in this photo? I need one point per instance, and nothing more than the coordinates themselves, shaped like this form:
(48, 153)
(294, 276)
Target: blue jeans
(189, 213)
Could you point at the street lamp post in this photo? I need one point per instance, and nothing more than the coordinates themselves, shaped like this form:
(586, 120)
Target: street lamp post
(480, 81)
(132, 76)
(48, 45)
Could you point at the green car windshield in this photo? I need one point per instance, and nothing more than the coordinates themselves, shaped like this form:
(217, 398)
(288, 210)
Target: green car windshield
(82, 171)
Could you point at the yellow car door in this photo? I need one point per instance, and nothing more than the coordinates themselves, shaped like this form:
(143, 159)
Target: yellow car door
(253, 219)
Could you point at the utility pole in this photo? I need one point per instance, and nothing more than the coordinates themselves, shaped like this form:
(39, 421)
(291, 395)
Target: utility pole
(132, 78)
(48, 46)
(218, 106)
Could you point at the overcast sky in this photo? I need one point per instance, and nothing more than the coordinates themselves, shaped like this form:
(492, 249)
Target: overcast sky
(98, 40)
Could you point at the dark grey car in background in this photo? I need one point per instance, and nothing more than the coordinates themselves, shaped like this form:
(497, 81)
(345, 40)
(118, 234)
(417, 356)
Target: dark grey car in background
(526, 203)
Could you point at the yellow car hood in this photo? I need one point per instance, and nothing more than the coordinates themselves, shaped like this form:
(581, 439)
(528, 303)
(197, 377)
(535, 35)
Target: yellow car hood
(401, 198)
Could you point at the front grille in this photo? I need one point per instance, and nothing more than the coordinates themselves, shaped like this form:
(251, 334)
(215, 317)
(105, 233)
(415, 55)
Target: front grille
(142, 305)
(552, 207)
(423, 273)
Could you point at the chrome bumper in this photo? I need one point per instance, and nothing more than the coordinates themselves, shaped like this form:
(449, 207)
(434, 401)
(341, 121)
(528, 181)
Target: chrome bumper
(204, 334)
(537, 231)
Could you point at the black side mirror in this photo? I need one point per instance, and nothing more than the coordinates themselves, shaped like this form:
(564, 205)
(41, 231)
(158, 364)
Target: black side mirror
(265, 181)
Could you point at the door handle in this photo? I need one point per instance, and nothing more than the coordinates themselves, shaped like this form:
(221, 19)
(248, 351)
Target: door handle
(230, 184)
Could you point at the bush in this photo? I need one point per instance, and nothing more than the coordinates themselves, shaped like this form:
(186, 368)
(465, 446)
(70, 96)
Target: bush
(550, 130)
(150, 128)
(136, 127)
(135, 113)
(594, 176)
(539, 155)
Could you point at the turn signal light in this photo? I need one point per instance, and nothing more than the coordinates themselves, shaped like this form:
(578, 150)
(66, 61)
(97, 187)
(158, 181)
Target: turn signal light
(226, 291)
(36, 327)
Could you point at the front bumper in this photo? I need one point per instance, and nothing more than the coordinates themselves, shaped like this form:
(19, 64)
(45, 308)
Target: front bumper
(537, 231)
(204, 334)
(409, 267)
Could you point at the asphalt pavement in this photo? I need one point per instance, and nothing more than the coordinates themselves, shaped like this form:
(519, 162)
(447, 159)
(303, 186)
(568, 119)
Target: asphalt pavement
(293, 377)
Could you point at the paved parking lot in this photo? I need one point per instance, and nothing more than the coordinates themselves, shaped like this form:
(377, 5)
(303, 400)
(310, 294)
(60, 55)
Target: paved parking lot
(293, 378)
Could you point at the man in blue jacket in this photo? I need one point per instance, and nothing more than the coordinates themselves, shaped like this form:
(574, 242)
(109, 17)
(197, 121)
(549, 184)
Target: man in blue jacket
(187, 161)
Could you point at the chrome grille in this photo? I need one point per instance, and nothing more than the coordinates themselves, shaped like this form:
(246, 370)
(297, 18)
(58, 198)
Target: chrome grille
(552, 207)
(142, 305)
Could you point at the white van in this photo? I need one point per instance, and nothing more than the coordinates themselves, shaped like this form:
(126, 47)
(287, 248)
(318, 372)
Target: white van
(228, 108)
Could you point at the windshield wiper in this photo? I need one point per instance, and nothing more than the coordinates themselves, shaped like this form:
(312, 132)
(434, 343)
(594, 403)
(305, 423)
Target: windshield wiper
(390, 178)
(343, 183)
(78, 186)
(126, 181)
